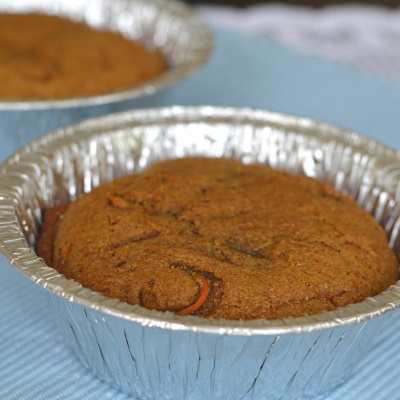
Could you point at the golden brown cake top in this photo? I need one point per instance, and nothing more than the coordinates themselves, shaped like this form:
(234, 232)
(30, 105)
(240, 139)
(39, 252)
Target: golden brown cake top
(48, 57)
(216, 238)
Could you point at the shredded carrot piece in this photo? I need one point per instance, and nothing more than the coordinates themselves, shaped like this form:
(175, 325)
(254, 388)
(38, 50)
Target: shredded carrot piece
(118, 202)
(204, 292)
(63, 256)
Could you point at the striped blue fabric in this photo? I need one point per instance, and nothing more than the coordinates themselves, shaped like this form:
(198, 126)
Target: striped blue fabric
(35, 364)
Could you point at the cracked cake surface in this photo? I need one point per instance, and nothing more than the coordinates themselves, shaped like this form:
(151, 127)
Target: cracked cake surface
(216, 238)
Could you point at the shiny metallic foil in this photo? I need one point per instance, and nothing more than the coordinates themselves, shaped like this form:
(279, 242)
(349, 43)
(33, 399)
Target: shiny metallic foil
(168, 25)
(154, 355)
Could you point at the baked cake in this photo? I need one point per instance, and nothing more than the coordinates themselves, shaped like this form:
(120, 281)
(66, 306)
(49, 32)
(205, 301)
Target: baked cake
(213, 237)
(48, 57)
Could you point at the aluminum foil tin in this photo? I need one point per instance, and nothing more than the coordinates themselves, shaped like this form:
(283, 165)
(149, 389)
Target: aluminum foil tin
(154, 355)
(169, 25)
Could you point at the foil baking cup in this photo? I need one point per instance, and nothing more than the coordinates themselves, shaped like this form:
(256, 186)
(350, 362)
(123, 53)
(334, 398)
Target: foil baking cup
(159, 355)
(168, 25)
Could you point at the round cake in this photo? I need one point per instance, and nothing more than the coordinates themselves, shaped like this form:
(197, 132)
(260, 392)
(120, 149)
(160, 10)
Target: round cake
(213, 237)
(47, 57)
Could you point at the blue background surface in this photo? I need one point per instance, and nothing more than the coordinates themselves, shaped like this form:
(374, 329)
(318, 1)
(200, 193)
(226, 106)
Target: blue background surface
(34, 362)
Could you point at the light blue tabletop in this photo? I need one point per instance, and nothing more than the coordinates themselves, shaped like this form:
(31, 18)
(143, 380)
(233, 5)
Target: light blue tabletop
(34, 362)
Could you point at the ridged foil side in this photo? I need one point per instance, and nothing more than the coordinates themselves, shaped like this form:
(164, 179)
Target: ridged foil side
(154, 355)
(153, 363)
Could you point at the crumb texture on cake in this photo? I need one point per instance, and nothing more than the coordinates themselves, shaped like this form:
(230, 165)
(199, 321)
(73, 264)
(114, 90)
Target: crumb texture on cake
(48, 57)
(216, 238)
